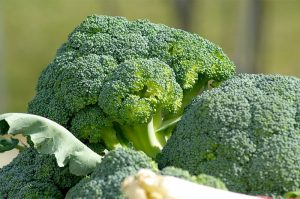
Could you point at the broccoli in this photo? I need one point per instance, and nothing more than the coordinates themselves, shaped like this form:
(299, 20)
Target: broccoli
(32, 175)
(106, 180)
(245, 132)
(118, 82)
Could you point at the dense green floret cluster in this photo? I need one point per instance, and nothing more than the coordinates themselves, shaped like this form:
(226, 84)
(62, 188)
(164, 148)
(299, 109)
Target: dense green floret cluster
(105, 181)
(138, 90)
(245, 132)
(93, 119)
(135, 76)
(32, 175)
(130, 91)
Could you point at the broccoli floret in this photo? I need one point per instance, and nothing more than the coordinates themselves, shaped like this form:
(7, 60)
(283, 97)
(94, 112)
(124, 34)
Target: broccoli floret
(33, 175)
(95, 129)
(202, 179)
(139, 75)
(245, 132)
(140, 88)
(138, 97)
(106, 180)
(37, 190)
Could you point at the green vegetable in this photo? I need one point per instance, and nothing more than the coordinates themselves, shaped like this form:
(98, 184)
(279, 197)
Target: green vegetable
(49, 137)
(245, 132)
(105, 181)
(32, 175)
(118, 82)
(116, 85)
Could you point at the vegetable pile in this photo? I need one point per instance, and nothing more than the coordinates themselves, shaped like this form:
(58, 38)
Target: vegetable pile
(122, 95)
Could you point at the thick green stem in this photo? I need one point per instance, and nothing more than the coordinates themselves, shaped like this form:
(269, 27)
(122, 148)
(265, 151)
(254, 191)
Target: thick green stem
(189, 94)
(157, 118)
(110, 139)
(169, 123)
(144, 138)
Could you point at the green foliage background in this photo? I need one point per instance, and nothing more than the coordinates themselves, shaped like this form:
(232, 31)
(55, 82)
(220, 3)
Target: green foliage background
(33, 30)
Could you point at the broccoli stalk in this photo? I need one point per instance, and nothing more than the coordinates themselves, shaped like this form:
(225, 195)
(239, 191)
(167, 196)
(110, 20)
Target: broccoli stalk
(144, 137)
(152, 136)
(189, 94)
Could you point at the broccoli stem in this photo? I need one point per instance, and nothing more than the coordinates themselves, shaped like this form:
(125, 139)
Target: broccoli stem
(152, 136)
(189, 94)
(143, 137)
(109, 136)
(158, 122)
(171, 123)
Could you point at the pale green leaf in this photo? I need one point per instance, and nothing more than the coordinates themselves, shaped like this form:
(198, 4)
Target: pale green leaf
(51, 138)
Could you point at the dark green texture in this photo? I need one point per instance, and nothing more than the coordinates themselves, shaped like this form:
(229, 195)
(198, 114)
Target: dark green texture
(32, 175)
(105, 181)
(246, 132)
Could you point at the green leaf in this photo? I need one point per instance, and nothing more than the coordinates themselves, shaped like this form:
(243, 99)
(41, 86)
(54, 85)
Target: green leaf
(51, 138)
(7, 144)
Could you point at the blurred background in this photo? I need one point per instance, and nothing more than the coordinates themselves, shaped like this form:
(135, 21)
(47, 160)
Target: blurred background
(260, 36)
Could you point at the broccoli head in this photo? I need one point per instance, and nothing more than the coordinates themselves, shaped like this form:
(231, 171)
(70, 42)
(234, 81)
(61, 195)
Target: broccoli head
(33, 175)
(137, 74)
(105, 181)
(245, 132)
